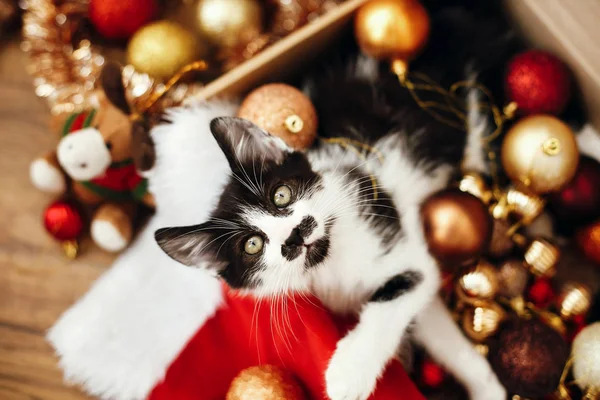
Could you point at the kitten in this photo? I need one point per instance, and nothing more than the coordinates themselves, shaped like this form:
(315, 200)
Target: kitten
(343, 221)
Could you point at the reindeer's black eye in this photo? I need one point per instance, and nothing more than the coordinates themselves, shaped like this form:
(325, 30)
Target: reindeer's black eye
(109, 145)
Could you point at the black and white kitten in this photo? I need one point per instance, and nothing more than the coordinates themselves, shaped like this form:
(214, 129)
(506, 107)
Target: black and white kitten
(343, 223)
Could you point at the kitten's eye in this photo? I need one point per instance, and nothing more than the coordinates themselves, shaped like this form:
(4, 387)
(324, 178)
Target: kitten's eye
(253, 245)
(282, 196)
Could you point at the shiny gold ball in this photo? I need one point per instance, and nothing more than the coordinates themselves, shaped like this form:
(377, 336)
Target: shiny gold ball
(478, 284)
(392, 29)
(513, 278)
(575, 299)
(479, 323)
(283, 111)
(457, 227)
(160, 49)
(229, 23)
(541, 257)
(526, 205)
(501, 243)
(540, 152)
(473, 183)
(265, 382)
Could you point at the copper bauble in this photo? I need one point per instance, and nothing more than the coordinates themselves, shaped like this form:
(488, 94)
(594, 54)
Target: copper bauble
(501, 243)
(540, 152)
(479, 323)
(283, 111)
(586, 358)
(541, 257)
(160, 49)
(478, 284)
(588, 240)
(229, 23)
(392, 29)
(574, 299)
(528, 357)
(265, 382)
(473, 183)
(513, 278)
(526, 205)
(457, 227)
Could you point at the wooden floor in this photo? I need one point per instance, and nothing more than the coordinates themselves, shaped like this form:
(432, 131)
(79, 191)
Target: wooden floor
(36, 282)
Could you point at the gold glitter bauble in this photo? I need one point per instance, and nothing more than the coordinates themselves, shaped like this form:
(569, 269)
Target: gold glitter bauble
(541, 257)
(283, 111)
(513, 277)
(540, 152)
(525, 204)
(229, 23)
(481, 322)
(574, 299)
(473, 183)
(586, 358)
(501, 243)
(264, 382)
(160, 49)
(478, 285)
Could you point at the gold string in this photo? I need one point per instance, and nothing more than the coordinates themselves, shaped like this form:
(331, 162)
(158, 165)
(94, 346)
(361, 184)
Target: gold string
(200, 65)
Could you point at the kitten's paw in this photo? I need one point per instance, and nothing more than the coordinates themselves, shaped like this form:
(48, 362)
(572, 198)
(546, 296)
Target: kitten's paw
(492, 390)
(348, 376)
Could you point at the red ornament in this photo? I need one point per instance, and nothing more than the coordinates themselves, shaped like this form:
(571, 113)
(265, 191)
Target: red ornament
(119, 19)
(538, 82)
(588, 240)
(541, 293)
(579, 201)
(432, 374)
(63, 221)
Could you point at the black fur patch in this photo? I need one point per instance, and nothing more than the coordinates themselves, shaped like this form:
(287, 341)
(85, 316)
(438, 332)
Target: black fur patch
(317, 252)
(397, 286)
(307, 226)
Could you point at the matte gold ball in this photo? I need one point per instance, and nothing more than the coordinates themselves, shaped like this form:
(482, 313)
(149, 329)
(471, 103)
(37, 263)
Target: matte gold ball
(265, 382)
(160, 49)
(501, 243)
(392, 29)
(283, 111)
(457, 227)
(229, 23)
(513, 278)
(540, 152)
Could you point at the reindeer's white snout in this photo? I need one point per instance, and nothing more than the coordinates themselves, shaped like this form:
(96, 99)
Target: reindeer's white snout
(83, 154)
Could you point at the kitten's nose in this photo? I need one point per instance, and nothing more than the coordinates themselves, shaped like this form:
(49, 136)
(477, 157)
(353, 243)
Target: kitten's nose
(294, 239)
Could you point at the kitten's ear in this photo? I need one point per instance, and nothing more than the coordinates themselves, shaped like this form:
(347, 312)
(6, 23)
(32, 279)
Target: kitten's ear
(188, 245)
(242, 142)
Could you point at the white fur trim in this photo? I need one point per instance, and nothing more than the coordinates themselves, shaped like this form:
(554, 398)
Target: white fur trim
(119, 339)
(46, 177)
(107, 236)
(83, 154)
(588, 141)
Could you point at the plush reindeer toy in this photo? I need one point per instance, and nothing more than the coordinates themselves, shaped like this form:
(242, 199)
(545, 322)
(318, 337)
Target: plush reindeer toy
(345, 225)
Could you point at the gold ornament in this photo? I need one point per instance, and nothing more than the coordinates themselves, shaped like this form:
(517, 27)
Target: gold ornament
(541, 257)
(513, 278)
(540, 152)
(479, 323)
(586, 359)
(394, 30)
(265, 382)
(473, 183)
(230, 23)
(160, 49)
(501, 243)
(283, 111)
(526, 205)
(478, 285)
(575, 299)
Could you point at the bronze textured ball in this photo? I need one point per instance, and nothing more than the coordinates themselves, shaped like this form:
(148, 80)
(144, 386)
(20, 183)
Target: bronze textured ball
(283, 111)
(528, 357)
(457, 227)
(513, 278)
(265, 382)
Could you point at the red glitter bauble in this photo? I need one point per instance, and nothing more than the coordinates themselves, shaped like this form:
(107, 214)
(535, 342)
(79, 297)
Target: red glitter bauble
(63, 220)
(541, 293)
(432, 374)
(579, 202)
(538, 82)
(119, 19)
(588, 240)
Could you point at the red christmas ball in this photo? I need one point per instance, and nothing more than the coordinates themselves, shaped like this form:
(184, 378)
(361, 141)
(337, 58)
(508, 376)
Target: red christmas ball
(63, 220)
(538, 82)
(432, 374)
(588, 240)
(579, 202)
(541, 293)
(119, 19)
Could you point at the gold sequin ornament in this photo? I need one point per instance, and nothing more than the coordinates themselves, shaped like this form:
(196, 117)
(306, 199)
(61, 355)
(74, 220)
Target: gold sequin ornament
(478, 285)
(541, 257)
(283, 111)
(473, 183)
(479, 323)
(575, 299)
(526, 205)
(229, 23)
(265, 382)
(513, 278)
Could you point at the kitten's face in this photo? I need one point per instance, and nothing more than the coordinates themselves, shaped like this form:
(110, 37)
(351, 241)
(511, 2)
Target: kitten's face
(272, 223)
